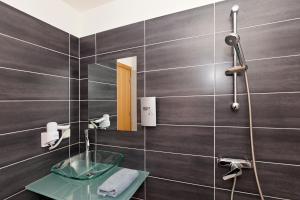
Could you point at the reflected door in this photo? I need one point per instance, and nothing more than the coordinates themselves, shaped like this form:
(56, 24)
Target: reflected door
(124, 97)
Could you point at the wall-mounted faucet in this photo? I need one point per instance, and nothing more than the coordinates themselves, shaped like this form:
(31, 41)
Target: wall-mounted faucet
(235, 165)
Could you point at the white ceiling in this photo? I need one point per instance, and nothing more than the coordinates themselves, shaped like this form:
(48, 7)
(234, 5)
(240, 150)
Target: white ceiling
(84, 5)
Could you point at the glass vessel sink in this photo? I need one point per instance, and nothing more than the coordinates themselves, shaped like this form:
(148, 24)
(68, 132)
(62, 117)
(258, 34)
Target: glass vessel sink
(88, 165)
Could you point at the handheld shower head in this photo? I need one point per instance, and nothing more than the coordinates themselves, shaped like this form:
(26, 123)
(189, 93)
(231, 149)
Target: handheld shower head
(233, 40)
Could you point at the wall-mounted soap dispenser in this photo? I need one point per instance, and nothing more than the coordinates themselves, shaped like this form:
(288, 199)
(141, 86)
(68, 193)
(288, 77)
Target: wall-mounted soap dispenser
(148, 111)
(50, 137)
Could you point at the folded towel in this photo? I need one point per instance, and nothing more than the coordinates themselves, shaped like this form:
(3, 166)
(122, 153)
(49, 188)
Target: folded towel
(117, 183)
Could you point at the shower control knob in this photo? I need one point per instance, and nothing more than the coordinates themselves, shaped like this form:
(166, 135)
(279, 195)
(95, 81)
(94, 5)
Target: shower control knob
(235, 106)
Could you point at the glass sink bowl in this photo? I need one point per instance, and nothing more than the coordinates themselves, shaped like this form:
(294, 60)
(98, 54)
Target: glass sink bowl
(88, 165)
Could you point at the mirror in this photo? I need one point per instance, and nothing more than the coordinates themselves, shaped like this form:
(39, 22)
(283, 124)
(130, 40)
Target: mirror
(112, 94)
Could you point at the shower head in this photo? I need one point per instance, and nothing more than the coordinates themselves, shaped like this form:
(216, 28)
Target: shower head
(233, 40)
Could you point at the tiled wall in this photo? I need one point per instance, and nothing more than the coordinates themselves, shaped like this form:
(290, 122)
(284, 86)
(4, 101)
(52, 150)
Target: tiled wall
(181, 60)
(39, 83)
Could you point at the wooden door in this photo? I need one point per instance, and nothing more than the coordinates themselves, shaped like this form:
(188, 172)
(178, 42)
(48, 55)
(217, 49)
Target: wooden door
(124, 97)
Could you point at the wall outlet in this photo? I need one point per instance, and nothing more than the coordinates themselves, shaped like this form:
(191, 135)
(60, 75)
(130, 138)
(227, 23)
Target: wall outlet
(67, 134)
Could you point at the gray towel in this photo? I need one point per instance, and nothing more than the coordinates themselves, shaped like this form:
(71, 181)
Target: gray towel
(118, 182)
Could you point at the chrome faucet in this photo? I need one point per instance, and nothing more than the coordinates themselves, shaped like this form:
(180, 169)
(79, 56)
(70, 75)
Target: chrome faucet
(236, 166)
(87, 141)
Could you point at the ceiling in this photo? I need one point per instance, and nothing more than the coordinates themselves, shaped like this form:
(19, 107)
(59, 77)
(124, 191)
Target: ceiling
(84, 5)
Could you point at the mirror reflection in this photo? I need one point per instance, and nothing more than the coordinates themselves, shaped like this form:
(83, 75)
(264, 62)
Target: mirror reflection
(112, 94)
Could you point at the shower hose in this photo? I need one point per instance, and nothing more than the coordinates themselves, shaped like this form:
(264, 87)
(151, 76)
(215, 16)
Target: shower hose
(252, 144)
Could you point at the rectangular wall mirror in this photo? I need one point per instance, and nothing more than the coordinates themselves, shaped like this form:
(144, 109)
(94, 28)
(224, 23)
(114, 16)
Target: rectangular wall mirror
(112, 94)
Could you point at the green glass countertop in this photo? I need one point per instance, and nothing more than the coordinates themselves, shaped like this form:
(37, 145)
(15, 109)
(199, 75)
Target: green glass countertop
(62, 188)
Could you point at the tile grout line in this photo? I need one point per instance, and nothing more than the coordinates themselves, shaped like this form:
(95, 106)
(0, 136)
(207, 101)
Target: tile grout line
(36, 156)
(248, 193)
(32, 72)
(31, 129)
(103, 83)
(211, 187)
(186, 154)
(17, 193)
(33, 44)
(193, 36)
(214, 181)
(215, 63)
(69, 114)
(95, 132)
(79, 94)
(40, 46)
(144, 128)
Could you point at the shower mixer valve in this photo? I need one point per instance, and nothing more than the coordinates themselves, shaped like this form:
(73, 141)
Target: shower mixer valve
(236, 166)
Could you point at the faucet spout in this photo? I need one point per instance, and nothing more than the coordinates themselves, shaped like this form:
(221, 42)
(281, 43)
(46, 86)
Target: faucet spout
(87, 141)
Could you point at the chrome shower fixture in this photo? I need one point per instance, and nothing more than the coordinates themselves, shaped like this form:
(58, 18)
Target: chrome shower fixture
(236, 166)
(233, 39)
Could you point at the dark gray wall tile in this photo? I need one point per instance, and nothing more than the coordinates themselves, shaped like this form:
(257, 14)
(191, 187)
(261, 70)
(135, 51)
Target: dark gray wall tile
(182, 53)
(84, 63)
(275, 75)
(122, 138)
(84, 112)
(140, 84)
(234, 142)
(100, 91)
(225, 195)
(84, 89)
(19, 147)
(121, 38)
(18, 55)
(28, 195)
(270, 75)
(191, 169)
(169, 190)
(74, 133)
(102, 74)
(273, 40)
(133, 159)
(110, 59)
(17, 116)
(254, 12)
(74, 46)
(74, 68)
(271, 145)
(269, 110)
(276, 110)
(25, 27)
(87, 46)
(140, 193)
(185, 110)
(74, 111)
(224, 114)
(10, 177)
(15, 85)
(197, 21)
(181, 139)
(181, 82)
(74, 89)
